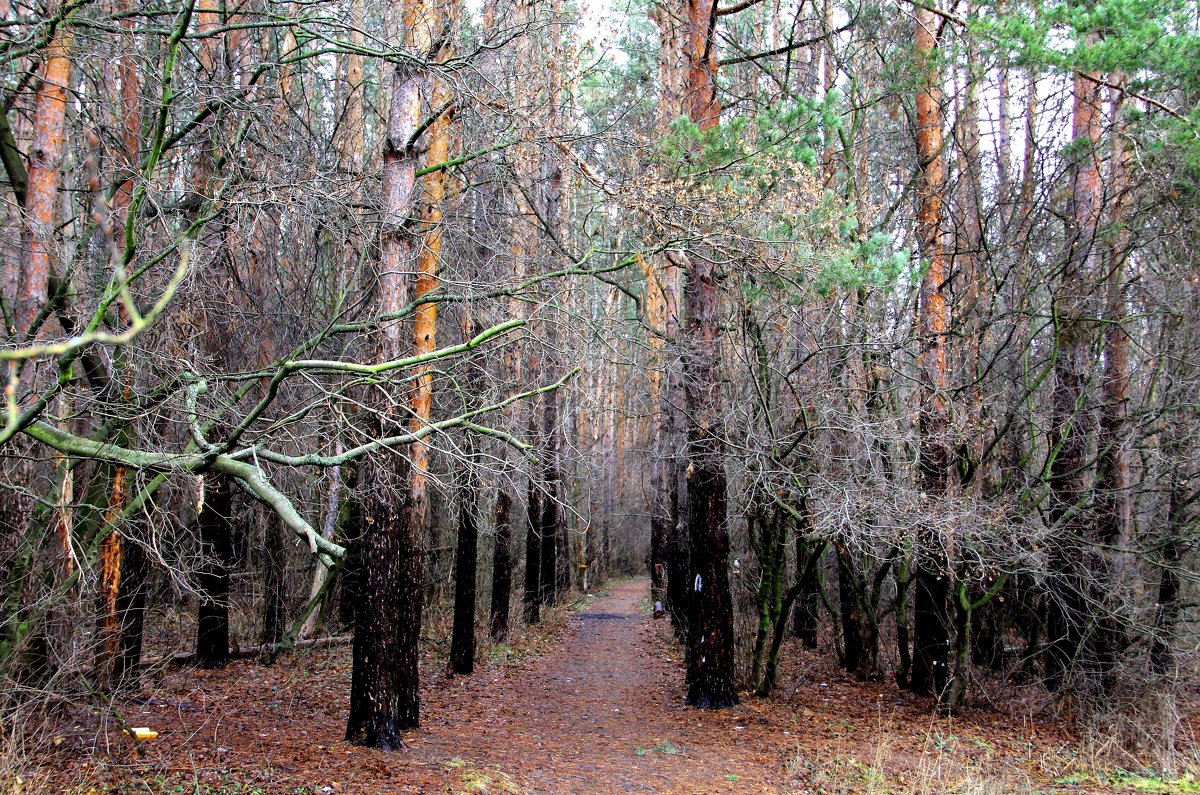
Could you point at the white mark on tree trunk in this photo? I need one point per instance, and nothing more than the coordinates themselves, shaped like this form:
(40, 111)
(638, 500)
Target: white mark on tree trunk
(699, 583)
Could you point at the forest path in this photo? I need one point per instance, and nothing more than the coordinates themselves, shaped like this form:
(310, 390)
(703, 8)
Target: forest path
(588, 703)
(602, 713)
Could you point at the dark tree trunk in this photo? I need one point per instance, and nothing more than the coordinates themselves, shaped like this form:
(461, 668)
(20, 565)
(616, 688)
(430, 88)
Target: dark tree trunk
(274, 581)
(673, 496)
(710, 613)
(860, 624)
(502, 567)
(131, 608)
(462, 642)
(412, 599)
(1114, 493)
(533, 555)
(931, 635)
(547, 594)
(1166, 616)
(549, 525)
(212, 581)
(987, 636)
(564, 561)
(679, 556)
(931, 607)
(1163, 659)
(710, 622)
(385, 682)
(687, 88)
(931, 617)
(852, 650)
(384, 697)
(806, 613)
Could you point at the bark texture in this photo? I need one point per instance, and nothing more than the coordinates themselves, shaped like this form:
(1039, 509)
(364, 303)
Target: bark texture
(212, 581)
(931, 631)
(502, 567)
(384, 697)
(462, 640)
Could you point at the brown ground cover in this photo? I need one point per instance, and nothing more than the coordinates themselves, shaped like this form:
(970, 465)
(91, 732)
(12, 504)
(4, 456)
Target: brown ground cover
(589, 703)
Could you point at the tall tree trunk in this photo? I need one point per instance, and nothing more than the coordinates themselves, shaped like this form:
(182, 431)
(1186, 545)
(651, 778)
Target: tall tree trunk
(424, 22)
(383, 685)
(533, 555)
(931, 634)
(433, 186)
(855, 653)
(215, 528)
(131, 609)
(384, 691)
(1114, 488)
(969, 326)
(215, 524)
(688, 69)
(550, 522)
(555, 233)
(462, 636)
(111, 554)
(806, 613)
(502, 567)
(654, 303)
(548, 552)
(710, 615)
(44, 180)
(462, 641)
(674, 21)
(1067, 608)
(122, 561)
(674, 462)
(351, 152)
(274, 572)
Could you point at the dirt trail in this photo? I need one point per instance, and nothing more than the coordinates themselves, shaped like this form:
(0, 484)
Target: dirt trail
(603, 713)
(589, 704)
(595, 708)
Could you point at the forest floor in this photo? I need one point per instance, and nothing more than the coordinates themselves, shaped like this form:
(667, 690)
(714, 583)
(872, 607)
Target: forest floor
(589, 702)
